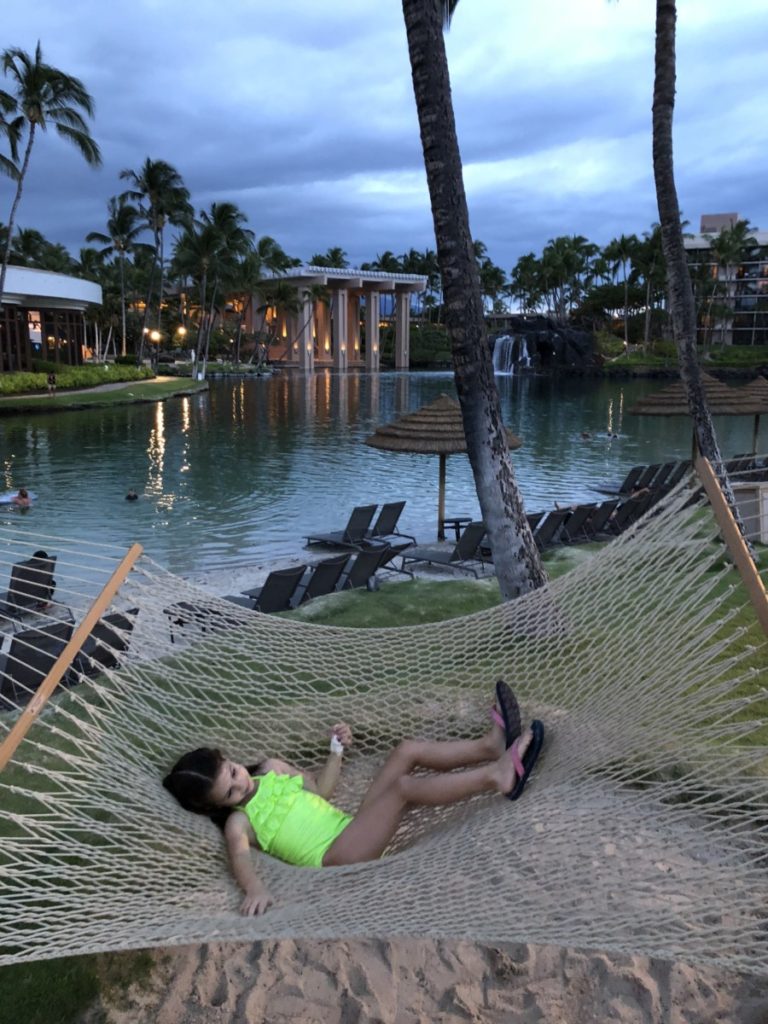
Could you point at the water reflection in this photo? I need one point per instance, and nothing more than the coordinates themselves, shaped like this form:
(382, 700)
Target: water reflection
(241, 473)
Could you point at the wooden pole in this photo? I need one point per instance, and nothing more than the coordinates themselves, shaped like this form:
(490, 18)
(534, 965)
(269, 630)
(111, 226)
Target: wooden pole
(734, 541)
(64, 660)
(441, 500)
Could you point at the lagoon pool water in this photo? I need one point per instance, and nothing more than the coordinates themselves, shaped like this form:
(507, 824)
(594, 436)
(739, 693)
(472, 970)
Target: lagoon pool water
(240, 474)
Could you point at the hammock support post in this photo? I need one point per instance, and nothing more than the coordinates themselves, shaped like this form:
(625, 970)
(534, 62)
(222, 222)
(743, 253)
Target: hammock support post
(734, 541)
(64, 660)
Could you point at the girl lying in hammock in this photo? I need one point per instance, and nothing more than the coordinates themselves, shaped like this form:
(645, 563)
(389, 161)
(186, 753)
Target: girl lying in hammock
(285, 812)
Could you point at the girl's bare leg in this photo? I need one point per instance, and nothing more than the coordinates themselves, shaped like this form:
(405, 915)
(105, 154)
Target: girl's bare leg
(439, 755)
(369, 833)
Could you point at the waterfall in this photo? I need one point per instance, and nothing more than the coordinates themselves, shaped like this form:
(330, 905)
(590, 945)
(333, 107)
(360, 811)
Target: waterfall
(504, 355)
(511, 350)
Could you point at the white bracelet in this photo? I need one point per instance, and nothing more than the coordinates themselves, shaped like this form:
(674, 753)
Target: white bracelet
(337, 747)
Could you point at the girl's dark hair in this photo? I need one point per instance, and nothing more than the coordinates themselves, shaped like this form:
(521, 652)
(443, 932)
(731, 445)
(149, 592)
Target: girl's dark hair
(190, 781)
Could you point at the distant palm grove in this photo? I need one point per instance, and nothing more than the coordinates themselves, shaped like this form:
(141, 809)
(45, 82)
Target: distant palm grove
(176, 277)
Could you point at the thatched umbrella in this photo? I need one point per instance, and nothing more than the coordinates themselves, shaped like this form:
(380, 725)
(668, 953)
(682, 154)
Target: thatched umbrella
(721, 399)
(434, 429)
(757, 390)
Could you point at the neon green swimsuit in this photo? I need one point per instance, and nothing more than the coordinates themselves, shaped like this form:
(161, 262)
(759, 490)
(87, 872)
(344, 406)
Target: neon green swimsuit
(290, 822)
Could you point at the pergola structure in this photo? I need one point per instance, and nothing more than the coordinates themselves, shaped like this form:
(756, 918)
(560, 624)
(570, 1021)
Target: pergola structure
(330, 332)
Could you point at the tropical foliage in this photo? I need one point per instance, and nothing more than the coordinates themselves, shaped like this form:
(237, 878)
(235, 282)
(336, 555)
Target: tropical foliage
(41, 97)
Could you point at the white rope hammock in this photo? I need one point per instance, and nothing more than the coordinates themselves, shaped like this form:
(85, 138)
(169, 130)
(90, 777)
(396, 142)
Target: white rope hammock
(643, 829)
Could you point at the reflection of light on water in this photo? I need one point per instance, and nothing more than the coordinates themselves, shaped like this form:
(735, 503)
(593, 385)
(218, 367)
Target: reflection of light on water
(156, 456)
(8, 472)
(186, 420)
(613, 426)
(238, 402)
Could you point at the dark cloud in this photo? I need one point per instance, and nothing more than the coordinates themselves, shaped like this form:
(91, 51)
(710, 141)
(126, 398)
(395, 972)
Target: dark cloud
(303, 114)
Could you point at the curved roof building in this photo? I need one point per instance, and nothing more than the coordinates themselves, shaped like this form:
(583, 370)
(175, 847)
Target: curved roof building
(42, 316)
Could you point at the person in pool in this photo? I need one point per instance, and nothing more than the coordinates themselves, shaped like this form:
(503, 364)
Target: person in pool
(285, 812)
(22, 499)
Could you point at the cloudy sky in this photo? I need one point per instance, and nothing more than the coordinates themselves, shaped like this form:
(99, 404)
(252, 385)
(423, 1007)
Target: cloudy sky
(302, 113)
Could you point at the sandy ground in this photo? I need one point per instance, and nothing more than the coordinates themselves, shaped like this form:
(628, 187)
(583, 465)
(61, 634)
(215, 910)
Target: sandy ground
(408, 982)
(416, 982)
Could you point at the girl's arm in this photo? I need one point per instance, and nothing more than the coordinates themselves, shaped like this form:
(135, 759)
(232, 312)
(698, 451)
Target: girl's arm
(236, 832)
(328, 776)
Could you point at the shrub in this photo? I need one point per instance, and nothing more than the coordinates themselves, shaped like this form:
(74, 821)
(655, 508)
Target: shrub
(72, 377)
(607, 344)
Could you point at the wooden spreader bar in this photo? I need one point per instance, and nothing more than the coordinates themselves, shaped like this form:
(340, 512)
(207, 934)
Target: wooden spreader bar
(65, 659)
(734, 540)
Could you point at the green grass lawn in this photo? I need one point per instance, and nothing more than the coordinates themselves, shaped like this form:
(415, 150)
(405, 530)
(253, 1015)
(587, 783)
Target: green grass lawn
(131, 391)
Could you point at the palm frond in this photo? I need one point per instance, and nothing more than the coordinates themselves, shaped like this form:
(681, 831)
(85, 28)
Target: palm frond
(9, 168)
(82, 140)
(449, 6)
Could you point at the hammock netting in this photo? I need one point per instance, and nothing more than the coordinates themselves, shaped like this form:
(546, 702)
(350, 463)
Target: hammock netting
(642, 830)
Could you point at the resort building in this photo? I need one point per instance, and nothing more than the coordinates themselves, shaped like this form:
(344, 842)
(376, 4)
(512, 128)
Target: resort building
(327, 316)
(42, 316)
(730, 276)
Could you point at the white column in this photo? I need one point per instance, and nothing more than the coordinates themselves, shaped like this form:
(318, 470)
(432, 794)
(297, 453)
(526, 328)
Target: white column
(322, 319)
(353, 327)
(340, 332)
(372, 331)
(306, 341)
(402, 330)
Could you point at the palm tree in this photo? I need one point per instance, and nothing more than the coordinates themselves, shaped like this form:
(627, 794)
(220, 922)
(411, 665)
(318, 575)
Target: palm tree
(732, 247)
(335, 258)
(123, 230)
(42, 96)
(620, 253)
(681, 302)
(515, 554)
(648, 262)
(525, 283)
(163, 199)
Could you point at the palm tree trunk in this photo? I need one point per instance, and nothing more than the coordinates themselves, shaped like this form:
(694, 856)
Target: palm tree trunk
(14, 208)
(145, 316)
(681, 301)
(647, 328)
(124, 346)
(518, 566)
(162, 279)
(201, 322)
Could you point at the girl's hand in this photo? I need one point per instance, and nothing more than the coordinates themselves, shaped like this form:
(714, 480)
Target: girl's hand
(343, 733)
(255, 902)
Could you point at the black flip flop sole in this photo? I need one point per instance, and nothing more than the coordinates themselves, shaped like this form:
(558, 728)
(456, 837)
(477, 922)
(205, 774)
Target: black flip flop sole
(510, 712)
(530, 757)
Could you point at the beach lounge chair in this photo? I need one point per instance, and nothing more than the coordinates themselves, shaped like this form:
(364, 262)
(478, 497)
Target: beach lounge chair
(385, 527)
(322, 580)
(464, 556)
(31, 585)
(353, 533)
(548, 530)
(626, 485)
(660, 480)
(601, 515)
(677, 474)
(629, 511)
(646, 477)
(29, 660)
(108, 638)
(574, 527)
(534, 518)
(186, 617)
(275, 596)
(361, 571)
